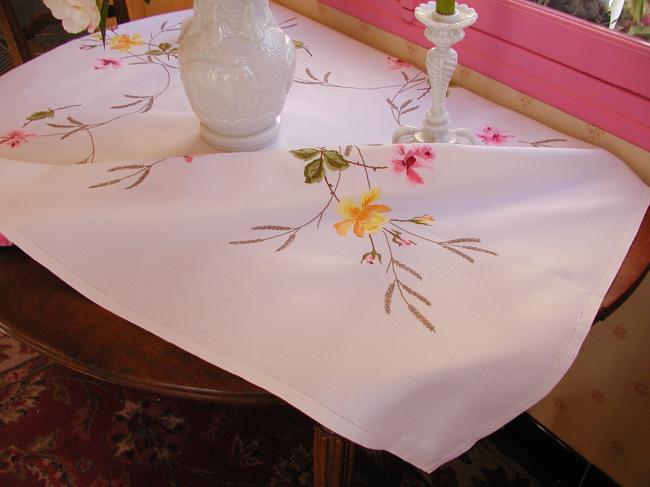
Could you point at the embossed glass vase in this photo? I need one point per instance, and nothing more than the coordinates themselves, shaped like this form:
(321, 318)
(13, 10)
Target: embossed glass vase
(237, 66)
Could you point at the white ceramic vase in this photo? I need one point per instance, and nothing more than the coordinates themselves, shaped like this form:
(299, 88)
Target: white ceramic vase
(237, 66)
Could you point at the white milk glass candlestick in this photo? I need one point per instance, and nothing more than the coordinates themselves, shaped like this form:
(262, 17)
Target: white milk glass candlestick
(444, 31)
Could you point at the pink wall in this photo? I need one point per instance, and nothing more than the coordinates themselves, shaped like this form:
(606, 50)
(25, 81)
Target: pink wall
(599, 76)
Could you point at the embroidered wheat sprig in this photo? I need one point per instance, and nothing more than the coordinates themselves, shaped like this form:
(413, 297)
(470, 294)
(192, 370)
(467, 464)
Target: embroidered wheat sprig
(408, 269)
(421, 318)
(388, 297)
(415, 294)
(271, 227)
(286, 244)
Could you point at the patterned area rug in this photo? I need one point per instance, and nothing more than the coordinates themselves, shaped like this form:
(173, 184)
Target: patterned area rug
(59, 428)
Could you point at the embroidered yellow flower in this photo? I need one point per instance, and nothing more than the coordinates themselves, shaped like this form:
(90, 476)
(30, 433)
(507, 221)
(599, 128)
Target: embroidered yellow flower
(124, 42)
(364, 218)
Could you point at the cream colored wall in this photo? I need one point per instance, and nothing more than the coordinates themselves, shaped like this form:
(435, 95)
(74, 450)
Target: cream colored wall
(138, 9)
(602, 405)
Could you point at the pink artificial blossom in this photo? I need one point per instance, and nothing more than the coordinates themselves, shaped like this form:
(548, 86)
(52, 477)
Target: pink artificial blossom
(646, 20)
(412, 159)
(188, 158)
(397, 64)
(103, 63)
(493, 136)
(4, 242)
(370, 259)
(14, 138)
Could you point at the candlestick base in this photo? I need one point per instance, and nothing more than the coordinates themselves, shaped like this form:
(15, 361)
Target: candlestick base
(443, 31)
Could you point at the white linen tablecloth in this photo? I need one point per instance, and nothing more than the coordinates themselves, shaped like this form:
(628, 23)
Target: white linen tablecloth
(411, 298)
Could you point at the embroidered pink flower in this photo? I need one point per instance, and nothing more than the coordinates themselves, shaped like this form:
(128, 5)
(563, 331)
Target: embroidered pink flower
(402, 242)
(370, 259)
(646, 20)
(16, 137)
(397, 64)
(4, 242)
(411, 159)
(188, 158)
(493, 136)
(103, 63)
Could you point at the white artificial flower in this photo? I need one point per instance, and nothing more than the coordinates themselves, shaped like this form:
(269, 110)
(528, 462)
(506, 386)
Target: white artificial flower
(77, 15)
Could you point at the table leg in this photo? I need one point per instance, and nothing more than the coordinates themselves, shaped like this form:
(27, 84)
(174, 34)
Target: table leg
(333, 459)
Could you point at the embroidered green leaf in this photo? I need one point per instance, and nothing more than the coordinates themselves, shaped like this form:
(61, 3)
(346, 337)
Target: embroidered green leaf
(165, 46)
(49, 113)
(334, 160)
(305, 154)
(314, 171)
(155, 52)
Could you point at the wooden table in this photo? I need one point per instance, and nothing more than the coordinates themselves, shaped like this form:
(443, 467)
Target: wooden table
(40, 310)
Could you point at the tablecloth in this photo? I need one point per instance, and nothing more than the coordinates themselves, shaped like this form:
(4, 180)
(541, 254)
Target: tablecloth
(411, 298)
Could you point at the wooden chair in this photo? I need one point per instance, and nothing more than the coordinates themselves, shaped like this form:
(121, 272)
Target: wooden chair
(43, 32)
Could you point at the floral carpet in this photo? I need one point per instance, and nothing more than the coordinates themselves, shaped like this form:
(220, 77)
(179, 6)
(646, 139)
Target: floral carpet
(59, 428)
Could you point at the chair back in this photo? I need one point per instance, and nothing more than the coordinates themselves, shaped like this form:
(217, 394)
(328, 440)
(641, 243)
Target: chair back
(41, 32)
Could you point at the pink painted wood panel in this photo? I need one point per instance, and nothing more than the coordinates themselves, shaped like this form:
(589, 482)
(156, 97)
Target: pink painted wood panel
(613, 57)
(596, 75)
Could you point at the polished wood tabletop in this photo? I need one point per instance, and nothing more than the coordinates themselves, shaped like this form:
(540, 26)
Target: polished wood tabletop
(40, 310)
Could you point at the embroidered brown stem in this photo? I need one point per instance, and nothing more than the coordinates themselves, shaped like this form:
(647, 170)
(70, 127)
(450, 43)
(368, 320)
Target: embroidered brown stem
(288, 23)
(453, 245)
(542, 143)
(141, 103)
(325, 81)
(407, 107)
(49, 113)
(392, 265)
(141, 172)
(291, 231)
